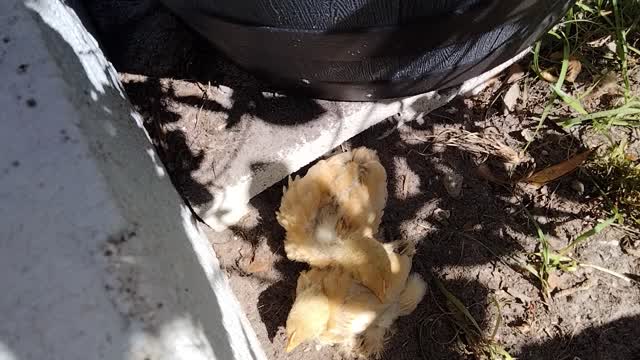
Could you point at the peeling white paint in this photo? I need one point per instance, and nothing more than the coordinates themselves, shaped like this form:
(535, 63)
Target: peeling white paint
(6, 353)
(156, 163)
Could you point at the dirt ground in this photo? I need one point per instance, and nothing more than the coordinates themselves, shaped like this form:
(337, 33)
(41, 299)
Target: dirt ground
(467, 241)
(592, 316)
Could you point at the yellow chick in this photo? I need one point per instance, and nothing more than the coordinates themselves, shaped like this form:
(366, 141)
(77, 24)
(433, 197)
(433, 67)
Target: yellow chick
(333, 308)
(332, 214)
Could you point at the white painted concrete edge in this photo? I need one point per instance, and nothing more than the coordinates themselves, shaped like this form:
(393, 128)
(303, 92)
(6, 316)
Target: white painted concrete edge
(231, 201)
(99, 258)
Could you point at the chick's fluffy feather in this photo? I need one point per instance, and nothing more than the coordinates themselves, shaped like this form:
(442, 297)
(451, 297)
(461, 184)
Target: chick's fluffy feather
(332, 214)
(334, 308)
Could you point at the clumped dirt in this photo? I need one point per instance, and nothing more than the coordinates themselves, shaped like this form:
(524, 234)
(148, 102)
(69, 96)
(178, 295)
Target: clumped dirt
(467, 241)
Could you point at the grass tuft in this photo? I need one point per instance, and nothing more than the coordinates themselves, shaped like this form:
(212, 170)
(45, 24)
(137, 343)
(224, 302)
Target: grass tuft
(604, 35)
(617, 175)
(547, 260)
(469, 331)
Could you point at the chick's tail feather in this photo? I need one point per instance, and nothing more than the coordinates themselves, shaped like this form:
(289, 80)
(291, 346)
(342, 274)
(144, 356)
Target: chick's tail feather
(412, 294)
(369, 165)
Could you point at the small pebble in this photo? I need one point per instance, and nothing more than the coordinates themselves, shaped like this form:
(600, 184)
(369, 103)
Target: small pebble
(453, 184)
(542, 219)
(441, 215)
(438, 148)
(577, 186)
(527, 134)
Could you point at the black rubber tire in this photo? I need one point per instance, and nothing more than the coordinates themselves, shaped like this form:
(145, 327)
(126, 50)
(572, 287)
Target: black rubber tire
(369, 49)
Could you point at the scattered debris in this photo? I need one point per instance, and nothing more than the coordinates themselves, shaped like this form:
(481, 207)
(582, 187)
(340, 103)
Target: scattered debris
(528, 135)
(631, 246)
(510, 99)
(452, 182)
(514, 73)
(475, 143)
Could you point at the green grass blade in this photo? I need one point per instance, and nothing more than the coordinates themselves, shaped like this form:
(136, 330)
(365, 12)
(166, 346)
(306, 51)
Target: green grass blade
(585, 7)
(635, 50)
(623, 111)
(536, 58)
(459, 306)
(545, 113)
(498, 319)
(565, 58)
(532, 270)
(586, 235)
(610, 272)
(543, 271)
(621, 47)
(502, 352)
(570, 100)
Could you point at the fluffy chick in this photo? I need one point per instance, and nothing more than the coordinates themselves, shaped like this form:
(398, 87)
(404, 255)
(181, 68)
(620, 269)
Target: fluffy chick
(335, 309)
(332, 214)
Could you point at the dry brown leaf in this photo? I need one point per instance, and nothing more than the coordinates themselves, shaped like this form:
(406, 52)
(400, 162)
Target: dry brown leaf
(559, 170)
(547, 76)
(510, 99)
(514, 73)
(573, 70)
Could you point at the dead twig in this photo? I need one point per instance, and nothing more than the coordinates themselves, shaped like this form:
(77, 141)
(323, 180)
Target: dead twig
(475, 143)
(205, 97)
(584, 285)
